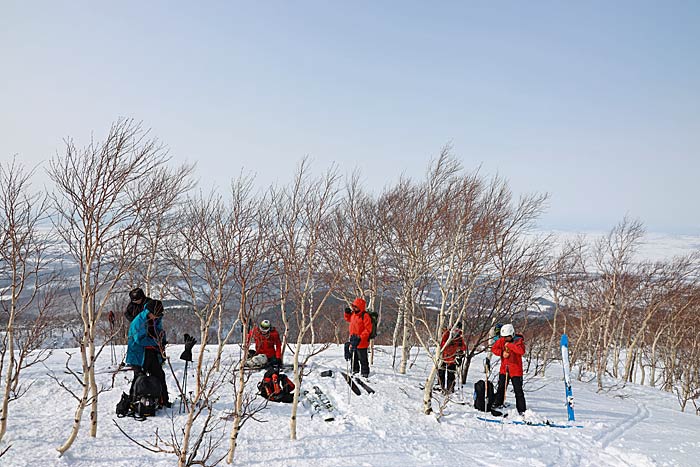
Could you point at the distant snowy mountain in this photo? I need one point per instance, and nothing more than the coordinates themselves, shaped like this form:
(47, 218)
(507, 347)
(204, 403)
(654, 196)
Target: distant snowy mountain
(655, 246)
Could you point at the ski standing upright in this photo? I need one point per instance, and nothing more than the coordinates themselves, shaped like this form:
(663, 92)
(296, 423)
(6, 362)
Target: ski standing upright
(567, 376)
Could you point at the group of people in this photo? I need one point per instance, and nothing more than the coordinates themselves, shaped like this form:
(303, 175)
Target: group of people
(508, 345)
(147, 340)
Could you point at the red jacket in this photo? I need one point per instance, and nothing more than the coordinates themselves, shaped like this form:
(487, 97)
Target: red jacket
(514, 362)
(268, 344)
(455, 346)
(360, 324)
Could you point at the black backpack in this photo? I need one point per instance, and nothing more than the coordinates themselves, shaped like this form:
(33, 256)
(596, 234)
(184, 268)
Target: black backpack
(146, 397)
(480, 396)
(375, 319)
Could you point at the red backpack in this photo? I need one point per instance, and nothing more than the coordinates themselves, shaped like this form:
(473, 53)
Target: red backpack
(276, 387)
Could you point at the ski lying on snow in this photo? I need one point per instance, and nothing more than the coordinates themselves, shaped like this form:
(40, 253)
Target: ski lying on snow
(319, 404)
(252, 369)
(546, 423)
(351, 382)
(324, 399)
(366, 386)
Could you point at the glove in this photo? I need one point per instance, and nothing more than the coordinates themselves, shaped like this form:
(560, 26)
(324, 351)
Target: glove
(348, 310)
(190, 341)
(354, 341)
(506, 352)
(348, 352)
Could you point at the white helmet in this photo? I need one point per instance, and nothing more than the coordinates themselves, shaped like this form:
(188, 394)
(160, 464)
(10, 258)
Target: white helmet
(507, 330)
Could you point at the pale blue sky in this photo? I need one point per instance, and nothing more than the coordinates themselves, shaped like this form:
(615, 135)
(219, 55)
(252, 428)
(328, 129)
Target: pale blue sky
(597, 103)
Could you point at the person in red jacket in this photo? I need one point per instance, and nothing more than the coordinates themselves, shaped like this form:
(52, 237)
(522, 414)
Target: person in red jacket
(268, 347)
(453, 348)
(510, 347)
(360, 329)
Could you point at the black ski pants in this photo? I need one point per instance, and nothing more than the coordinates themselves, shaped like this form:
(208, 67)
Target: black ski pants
(517, 382)
(446, 376)
(360, 361)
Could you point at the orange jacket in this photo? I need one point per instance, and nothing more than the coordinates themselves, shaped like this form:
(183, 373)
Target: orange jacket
(269, 345)
(513, 363)
(360, 324)
(456, 345)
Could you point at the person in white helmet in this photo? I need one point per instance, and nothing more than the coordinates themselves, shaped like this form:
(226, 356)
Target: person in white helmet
(510, 347)
(268, 347)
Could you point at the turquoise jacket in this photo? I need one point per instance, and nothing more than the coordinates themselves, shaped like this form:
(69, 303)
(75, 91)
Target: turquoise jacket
(139, 338)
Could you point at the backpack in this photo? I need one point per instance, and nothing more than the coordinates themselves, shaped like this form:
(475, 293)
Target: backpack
(146, 397)
(480, 397)
(276, 386)
(375, 319)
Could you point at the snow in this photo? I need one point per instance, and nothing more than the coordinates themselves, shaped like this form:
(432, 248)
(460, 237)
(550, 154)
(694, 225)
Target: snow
(653, 246)
(634, 425)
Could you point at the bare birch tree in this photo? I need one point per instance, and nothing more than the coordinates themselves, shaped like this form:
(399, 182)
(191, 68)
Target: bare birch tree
(407, 236)
(254, 276)
(26, 275)
(98, 213)
(485, 266)
(352, 236)
(300, 212)
(166, 187)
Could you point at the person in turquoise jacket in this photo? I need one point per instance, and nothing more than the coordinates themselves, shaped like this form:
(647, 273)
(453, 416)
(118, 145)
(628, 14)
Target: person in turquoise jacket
(146, 346)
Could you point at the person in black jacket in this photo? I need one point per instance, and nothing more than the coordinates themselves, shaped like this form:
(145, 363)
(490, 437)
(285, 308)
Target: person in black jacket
(137, 304)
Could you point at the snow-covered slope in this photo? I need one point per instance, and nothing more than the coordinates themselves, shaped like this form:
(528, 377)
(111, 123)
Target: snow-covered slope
(628, 426)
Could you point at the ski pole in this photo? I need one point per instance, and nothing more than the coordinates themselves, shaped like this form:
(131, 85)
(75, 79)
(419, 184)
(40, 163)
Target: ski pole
(348, 373)
(184, 390)
(505, 390)
(111, 337)
(487, 372)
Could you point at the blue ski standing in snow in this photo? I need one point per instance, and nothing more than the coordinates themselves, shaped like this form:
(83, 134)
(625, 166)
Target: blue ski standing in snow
(567, 376)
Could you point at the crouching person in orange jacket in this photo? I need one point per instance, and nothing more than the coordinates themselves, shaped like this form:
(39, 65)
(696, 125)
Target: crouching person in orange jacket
(268, 347)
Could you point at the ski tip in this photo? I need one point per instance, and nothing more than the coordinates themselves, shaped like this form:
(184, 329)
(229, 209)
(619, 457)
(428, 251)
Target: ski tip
(565, 340)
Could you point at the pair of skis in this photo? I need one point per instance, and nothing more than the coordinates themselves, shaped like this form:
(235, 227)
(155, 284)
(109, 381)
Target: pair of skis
(356, 383)
(569, 394)
(545, 423)
(319, 404)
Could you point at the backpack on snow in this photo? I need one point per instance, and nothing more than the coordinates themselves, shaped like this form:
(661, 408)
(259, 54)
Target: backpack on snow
(480, 396)
(276, 386)
(146, 399)
(375, 319)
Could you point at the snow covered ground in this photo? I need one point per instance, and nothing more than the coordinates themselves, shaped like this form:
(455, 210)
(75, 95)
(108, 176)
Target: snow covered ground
(634, 425)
